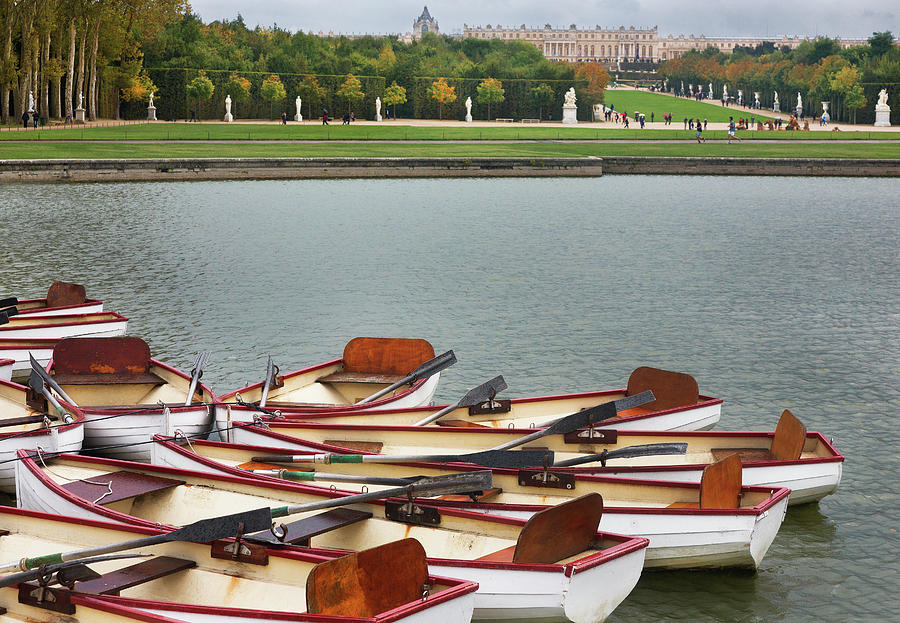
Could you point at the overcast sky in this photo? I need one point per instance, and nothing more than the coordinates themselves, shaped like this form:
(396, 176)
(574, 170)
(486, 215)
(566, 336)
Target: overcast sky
(831, 18)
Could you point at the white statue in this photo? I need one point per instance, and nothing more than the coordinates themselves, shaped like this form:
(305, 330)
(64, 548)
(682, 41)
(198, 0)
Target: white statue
(570, 97)
(682, 87)
(740, 97)
(468, 110)
(776, 106)
(691, 87)
(756, 99)
(299, 115)
(228, 116)
(725, 92)
(882, 110)
(882, 98)
(799, 101)
(31, 101)
(150, 105)
(80, 98)
(377, 109)
(710, 91)
(151, 109)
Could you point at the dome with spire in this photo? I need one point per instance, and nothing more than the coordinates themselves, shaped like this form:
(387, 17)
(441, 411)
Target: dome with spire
(424, 23)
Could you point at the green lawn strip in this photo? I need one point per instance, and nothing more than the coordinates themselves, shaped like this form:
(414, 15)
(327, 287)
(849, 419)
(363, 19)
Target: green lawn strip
(629, 101)
(244, 132)
(459, 150)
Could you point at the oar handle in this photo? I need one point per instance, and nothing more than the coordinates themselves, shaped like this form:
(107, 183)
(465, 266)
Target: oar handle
(286, 474)
(271, 371)
(436, 416)
(426, 370)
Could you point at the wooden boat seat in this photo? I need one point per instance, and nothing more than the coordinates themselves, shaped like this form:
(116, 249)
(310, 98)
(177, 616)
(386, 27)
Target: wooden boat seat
(555, 533)
(116, 581)
(380, 360)
(301, 531)
(670, 389)
(464, 423)
(787, 443)
(63, 294)
(103, 360)
(720, 485)
(123, 485)
(372, 447)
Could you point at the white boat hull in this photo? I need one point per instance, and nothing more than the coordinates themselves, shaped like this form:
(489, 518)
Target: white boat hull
(101, 430)
(21, 365)
(113, 328)
(6, 369)
(588, 596)
(84, 308)
(63, 439)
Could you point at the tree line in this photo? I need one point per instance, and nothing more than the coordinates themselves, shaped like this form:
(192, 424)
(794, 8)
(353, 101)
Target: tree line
(849, 79)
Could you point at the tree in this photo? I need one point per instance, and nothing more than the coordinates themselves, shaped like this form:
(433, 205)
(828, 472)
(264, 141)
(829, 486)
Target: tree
(351, 90)
(443, 93)
(846, 81)
(393, 95)
(881, 43)
(490, 92)
(201, 89)
(272, 91)
(542, 95)
(238, 88)
(597, 80)
(310, 90)
(140, 89)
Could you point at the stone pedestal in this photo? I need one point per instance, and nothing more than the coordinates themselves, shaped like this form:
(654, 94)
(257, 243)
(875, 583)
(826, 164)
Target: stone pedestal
(229, 117)
(776, 107)
(79, 115)
(151, 113)
(298, 117)
(570, 114)
(883, 116)
(469, 118)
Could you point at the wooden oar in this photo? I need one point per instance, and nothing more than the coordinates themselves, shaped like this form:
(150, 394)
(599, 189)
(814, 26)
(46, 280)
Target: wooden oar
(477, 395)
(488, 458)
(426, 370)
(10, 301)
(437, 485)
(271, 372)
(196, 373)
(4, 317)
(49, 380)
(581, 419)
(649, 449)
(37, 384)
(286, 474)
(203, 531)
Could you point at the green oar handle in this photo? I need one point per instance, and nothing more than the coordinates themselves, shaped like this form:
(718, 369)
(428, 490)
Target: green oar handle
(286, 474)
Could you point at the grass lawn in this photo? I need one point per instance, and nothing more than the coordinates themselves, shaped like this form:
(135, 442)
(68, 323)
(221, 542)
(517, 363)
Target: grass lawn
(629, 101)
(396, 132)
(75, 150)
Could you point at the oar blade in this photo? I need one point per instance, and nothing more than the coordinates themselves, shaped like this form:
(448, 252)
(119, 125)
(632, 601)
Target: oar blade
(509, 458)
(649, 449)
(10, 301)
(4, 318)
(208, 530)
(483, 392)
(36, 382)
(453, 483)
(433, 366)
(581, 419)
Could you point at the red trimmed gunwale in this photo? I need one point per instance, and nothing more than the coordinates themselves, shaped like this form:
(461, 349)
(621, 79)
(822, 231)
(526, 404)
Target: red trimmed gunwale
(74, 319)
(41, 305)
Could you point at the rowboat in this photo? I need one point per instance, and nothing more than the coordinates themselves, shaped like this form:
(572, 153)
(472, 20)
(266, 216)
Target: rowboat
(62, 298)
(18, 351)
(555, 566)
(677, 405)
(126, 396)
(715, 524)
(6, 369)
(790, 456)
(185, 581)
(24, 427)
(100, 324)
(368, 365)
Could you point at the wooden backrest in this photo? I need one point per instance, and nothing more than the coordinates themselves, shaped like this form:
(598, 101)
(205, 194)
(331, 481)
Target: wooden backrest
(560, 531)
(61, 294)
(368, 582)
(670, 389)
(101, 355)
(790, 436)
(720, 485)
(386, 355)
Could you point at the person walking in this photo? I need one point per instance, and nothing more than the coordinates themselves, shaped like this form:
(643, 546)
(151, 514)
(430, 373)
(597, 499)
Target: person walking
(34, 119)
(283, 118)
(685, 123)
(324, 117)
(25, 118)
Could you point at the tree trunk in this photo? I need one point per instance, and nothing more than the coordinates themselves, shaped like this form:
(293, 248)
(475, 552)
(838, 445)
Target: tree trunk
(45, 79)
(26, 74)
(93, 87)
(9, 20)
(70, 74)
(79, 91)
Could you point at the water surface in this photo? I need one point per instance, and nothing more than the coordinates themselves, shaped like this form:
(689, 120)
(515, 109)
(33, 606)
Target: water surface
(774, 293)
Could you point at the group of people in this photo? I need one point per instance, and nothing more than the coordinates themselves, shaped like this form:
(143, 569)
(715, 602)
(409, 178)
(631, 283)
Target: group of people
(33, 117)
